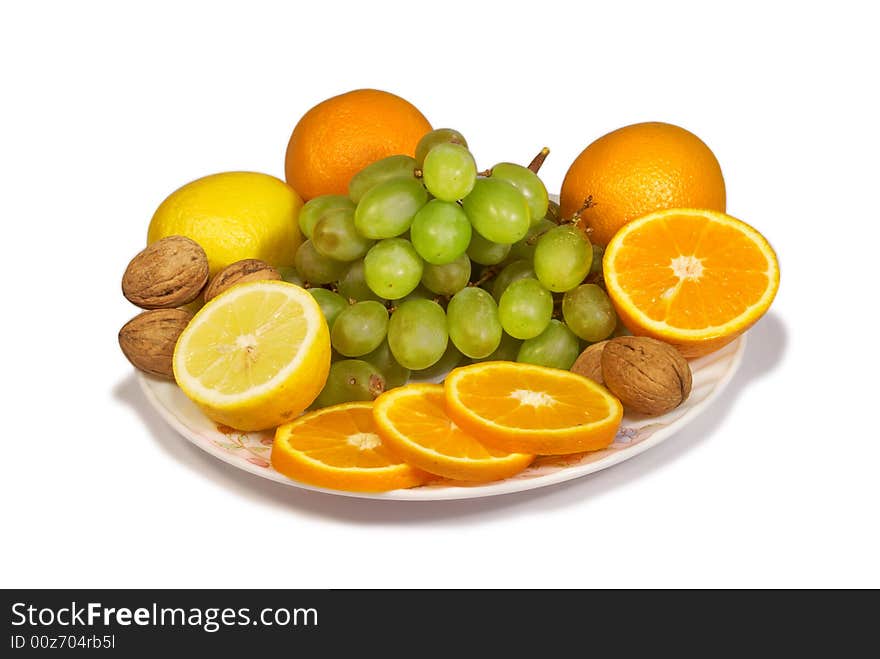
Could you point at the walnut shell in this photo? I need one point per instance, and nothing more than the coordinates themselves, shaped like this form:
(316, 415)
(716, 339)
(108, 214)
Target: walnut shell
(648, 376)
(169, 273)
(239, 273)
(589, 362)
(148, 339)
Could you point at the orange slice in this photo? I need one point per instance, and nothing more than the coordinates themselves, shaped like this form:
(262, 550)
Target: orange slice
(413, 423)
(694, 278)
(338, 448)
(522, 408)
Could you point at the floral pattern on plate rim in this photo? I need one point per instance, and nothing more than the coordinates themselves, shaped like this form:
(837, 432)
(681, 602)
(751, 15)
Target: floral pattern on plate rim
(251, 451)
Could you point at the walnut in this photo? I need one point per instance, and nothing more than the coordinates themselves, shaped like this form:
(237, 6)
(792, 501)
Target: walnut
(169, 273)
(239, 273)
(648, 376)
(589, 363)
(148, 339)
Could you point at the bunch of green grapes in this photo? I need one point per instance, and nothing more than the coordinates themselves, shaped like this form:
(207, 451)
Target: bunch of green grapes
(428, 263)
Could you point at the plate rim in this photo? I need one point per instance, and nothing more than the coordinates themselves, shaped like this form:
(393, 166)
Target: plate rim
(452, 493)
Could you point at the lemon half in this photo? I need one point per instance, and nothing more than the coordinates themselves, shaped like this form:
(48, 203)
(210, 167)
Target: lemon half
(255, 356)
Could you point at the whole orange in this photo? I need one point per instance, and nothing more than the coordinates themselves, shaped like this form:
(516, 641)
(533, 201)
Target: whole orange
(340, 136)
(637, 170)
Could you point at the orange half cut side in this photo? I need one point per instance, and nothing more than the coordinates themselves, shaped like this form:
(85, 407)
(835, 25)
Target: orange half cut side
(694, 278)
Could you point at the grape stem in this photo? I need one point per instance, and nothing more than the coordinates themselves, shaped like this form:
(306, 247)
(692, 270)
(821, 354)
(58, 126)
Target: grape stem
(574, 220)
(486, 275)
(535, 165)
(536, 237)
(539, 159)
(418, 173)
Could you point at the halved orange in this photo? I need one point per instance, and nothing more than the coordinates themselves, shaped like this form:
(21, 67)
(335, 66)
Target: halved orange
(412, 421)
(694, 278)
(338, 448)
(523, 408)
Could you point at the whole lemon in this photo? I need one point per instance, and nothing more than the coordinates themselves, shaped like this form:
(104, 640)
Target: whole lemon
(233, 216)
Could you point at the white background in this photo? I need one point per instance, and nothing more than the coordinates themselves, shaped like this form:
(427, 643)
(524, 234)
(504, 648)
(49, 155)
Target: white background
(106, 109)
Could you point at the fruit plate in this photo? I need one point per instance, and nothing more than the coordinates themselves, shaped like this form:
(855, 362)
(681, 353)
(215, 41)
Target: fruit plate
(250, 451)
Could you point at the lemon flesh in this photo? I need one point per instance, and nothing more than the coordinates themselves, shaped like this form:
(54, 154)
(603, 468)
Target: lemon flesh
(255, 356)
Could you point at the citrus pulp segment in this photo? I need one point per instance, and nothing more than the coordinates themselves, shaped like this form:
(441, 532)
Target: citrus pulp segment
(694, 278)
(255, 356)
(524, 408)
(412, 420)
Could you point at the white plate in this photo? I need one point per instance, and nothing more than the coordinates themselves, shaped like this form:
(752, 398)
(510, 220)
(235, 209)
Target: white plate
(250, 451)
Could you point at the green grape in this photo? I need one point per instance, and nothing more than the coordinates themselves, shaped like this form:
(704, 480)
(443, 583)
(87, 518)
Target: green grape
(524, 249)
(529, 185)
(314, 209)
(379, 172)
(434, 138)
(440, 232)
(290, 275)
(388, 208)
(474, 327)
(588, 313)
(556, 347)
(447, 279)
(360, 328)
(506, 351)
(497, 210)
(562, 258)
(598, 255)
(439, 369)
(449, 172)
(393, 268)
(331, 303)
(485, 252)
(350, 380)
(417, 334)
(525, 308)
(335, 236)
(353, 284)
(512, 272)
(395, 375)
(314, 267)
